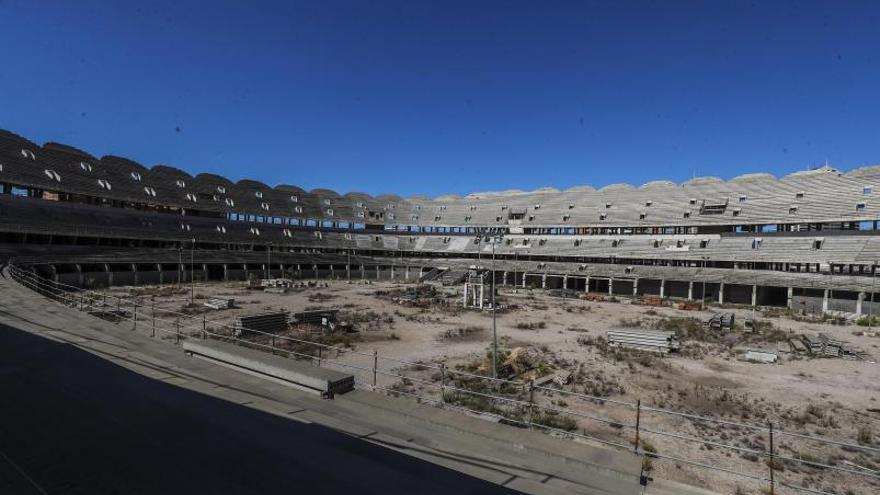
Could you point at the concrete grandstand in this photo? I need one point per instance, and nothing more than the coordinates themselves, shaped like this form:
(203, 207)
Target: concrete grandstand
(806, 241)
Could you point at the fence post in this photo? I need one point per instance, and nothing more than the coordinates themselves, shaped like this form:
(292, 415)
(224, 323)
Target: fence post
(770, 464)
(638, 423)
(531, 402)
(153, 312)
(375, 367)
(442, 383)
(177, 332)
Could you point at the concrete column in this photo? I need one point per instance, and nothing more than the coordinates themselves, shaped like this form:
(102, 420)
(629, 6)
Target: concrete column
(205, 272)
(464, 298)
(859, 301)
(392, 272)
(565, 281)
(587, 285)
(332, 275)
(721, 293)
(754, 295)
(482, 288)
(406, 273)
(504, 278)
(161, 274)
(225, 272)
(524, 280)
(109, 274)
(635, 287)
(299, 272)
(611, 286)
(377, 272)
(421, 272)
(825, 301)
(790, 297)
(544, 281)
(134, 271)
(79, 275)
(662, 288)
(691, 290)
(363, 272)
(348, 271)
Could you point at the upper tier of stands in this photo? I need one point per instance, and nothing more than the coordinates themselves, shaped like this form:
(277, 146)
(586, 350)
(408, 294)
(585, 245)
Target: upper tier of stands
(817, 196)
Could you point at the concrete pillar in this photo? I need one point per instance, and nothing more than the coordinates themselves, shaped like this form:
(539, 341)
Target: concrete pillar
(109, 274)
(544, 281)
(225, 272)
(421, 272)
(161, 274)
(524, 280)
(332, 275)
(635, 287)
(611, 286)
(825, 301)
(299, 272)
(406, 273)
(205, 272)
(79, 275)
(565, 281)
(464, 298)
(134, 271)
(504, 278)
(662, 288)
(363, 272)
(859, 302)
(377, 272)
(482, 288)
(790, 297)
(755, 295)
(587, 285)
(691, 290)
(721, 293)
(392, 272)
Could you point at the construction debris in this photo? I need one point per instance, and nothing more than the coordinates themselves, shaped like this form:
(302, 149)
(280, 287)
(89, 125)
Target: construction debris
(319, 317)
(720, 321)
(220, 302)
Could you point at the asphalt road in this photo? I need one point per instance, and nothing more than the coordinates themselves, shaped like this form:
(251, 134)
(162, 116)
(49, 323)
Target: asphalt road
(71, 422)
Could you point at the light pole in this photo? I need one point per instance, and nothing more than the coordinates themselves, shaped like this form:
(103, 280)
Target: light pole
(192, 273)
(494, 327)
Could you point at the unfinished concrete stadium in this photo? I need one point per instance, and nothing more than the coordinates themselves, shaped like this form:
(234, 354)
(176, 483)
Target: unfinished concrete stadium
(709, 337)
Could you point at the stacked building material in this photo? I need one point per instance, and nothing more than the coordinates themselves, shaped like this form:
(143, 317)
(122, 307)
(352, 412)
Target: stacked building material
(646, 340)
(270, 323)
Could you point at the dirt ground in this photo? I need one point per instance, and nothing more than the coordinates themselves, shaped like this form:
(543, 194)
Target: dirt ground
(835, 398)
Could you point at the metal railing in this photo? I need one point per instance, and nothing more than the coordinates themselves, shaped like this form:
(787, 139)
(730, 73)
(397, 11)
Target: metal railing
(518, 407)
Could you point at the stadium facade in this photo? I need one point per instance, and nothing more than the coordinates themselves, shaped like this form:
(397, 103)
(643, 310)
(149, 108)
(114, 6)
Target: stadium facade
(807, 241)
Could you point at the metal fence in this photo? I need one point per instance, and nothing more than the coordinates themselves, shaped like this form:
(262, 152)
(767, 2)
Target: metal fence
(510, 401)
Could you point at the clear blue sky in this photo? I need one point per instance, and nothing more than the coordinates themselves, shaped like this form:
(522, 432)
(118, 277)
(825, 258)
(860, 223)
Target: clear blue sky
(414, 97)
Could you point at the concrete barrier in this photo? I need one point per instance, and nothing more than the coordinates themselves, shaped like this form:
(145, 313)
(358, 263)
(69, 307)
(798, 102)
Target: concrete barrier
(298, 374)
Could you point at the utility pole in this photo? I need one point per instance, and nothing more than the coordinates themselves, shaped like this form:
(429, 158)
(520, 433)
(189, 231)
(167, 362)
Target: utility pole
(494, 327)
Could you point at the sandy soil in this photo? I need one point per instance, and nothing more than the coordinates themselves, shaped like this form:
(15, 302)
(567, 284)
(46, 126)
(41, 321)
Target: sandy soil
(834, 398)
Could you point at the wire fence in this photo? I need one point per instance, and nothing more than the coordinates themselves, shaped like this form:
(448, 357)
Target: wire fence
(509, 401)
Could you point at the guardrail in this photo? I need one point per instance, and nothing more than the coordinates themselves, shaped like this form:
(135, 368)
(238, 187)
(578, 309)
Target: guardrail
(508, 401)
